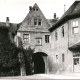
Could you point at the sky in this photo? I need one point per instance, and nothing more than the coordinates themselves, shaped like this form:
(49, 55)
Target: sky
(17, 10)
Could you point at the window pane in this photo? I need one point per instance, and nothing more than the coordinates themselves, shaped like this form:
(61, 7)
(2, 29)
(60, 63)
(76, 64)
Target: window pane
(36, 9)
(75, 30)
(47, 38)
(39, 21)
(26, 35)
(62, 57)
(76, 23)
(26, 38)
(35, 21)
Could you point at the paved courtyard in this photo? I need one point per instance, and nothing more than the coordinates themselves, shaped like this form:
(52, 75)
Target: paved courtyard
(44, 76)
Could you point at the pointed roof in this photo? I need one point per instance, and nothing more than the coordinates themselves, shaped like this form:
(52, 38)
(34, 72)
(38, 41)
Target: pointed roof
(35, 5)
(37, 13)
(72, 13)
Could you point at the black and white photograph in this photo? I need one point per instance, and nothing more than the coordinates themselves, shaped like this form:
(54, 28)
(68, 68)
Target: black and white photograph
(39, 39)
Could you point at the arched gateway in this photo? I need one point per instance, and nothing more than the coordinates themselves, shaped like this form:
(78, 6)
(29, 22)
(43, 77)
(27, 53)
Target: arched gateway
(40, 62)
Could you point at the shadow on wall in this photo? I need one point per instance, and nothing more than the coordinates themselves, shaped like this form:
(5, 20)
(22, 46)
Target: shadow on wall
(55, 68)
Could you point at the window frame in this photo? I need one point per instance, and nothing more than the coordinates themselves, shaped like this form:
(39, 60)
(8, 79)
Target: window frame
(37, 44)
(47, 38)
(75, 25)
(35, 21)
(63, 57)
(26, 39)
(39, 22)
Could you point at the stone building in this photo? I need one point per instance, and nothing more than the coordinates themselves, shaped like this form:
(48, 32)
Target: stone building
(65, 43)
(34, 33)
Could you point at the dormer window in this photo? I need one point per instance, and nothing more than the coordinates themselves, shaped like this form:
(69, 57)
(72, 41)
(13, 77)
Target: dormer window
(75, 27)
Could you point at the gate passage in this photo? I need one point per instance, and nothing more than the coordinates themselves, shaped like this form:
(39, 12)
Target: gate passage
(39, 63)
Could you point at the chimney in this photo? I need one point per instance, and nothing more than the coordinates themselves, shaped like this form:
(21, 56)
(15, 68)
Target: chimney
(55, 16)
(7, 21)
(64, 8)
(30, 8)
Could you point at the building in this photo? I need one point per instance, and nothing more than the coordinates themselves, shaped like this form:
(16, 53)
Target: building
(34, 33)
(8, 30)
(65, 40)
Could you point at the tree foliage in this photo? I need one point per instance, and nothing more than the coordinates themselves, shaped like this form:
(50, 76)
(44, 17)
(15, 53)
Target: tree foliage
(8, 54)
(28, 60)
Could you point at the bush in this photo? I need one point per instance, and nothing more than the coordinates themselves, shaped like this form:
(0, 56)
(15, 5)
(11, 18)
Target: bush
(9, 63)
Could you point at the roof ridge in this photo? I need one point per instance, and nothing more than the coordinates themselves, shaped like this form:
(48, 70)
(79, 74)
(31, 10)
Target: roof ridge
(66, 16)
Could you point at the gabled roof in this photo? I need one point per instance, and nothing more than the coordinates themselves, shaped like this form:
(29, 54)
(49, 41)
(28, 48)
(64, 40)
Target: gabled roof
(34, 14)
(72, 13)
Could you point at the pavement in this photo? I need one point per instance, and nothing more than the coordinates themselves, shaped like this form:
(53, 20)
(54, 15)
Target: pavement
(44, 76)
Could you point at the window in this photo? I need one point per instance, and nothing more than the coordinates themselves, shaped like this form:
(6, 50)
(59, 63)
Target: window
(36, 9)
(29, 21)
(75, 27)
(76, 61)
(33, 9)
(39, 21)
(62, 57)
(26, 38)
(76, 55)
(38, 41)
(35, 21)
(56, 57)
(56, 36)
(63, 31)
(47, 38)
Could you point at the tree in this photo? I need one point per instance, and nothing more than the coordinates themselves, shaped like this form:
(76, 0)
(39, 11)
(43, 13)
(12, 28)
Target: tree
(8, 57)
(28, 60)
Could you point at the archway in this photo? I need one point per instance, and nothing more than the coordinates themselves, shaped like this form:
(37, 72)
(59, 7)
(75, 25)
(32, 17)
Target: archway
(39, 63)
